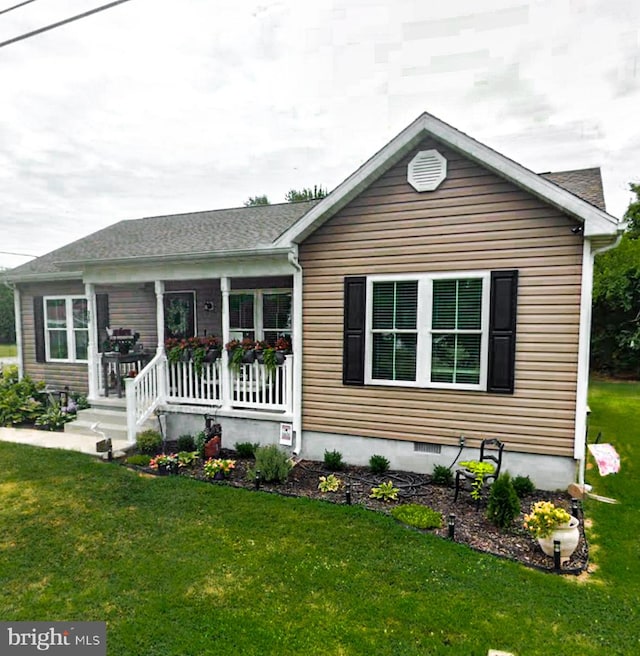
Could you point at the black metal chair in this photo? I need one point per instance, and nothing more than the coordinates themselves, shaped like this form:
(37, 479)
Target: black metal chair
(490, 451)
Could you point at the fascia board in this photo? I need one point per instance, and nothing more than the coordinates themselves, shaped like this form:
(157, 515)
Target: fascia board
(43, 277)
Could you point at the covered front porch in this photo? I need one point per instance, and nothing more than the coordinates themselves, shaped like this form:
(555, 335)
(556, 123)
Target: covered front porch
(180, 308)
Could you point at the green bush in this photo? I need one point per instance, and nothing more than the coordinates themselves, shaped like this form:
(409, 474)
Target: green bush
(333, 460)
(442, 476)
(416, 515)
(504, 505)
(54, 418)
(378, 464)
(523, 486)
(139, 460)
(198, 443)
(19, 399)
(186, 443)
(149, 441)
(273, 464)
(246, 449)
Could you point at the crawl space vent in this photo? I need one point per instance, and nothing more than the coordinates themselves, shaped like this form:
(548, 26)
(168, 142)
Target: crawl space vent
(424, 447)
(427, 170)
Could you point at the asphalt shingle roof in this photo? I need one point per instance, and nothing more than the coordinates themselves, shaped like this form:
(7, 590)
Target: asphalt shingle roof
(240, 228)
(584, 183)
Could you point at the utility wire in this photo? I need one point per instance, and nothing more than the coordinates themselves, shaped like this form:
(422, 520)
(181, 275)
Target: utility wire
(60, 23)
(20, 254)
(22, 4)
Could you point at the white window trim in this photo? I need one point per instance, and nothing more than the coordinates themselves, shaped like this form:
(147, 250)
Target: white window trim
(71, 331)
(424, 315)
(258, 326)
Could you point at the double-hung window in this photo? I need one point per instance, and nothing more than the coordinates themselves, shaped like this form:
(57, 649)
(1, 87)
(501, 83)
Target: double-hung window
(428, 330)
(260, 314)
(66, 325)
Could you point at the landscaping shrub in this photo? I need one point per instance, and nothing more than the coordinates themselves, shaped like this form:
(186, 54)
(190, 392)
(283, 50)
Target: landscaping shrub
(139, 460)
(504, 505)
(186, 443)
(149, 441)
(329, 483)
(385, 492)
(246, 449)
(523, 486)
(333, 460)
(54, 418)
(414, 514)
(442, 476)
(378, 464)
(273, 464)
(198, 443)
(19, 402)
(187, 458)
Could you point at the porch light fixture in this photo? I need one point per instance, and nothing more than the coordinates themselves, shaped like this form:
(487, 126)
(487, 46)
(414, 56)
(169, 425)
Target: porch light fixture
(208, 306)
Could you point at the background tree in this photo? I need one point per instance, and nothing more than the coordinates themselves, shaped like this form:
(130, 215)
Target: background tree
(7, 319)
(615, 329)
(256, 200)
(293, 195)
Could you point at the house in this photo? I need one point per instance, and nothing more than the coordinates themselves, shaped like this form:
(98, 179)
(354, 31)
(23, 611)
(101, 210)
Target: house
(441, 291)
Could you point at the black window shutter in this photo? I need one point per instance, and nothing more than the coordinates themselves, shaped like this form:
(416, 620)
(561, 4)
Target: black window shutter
(38, 328)
(502, 331)
(355, 296)
(102, 319)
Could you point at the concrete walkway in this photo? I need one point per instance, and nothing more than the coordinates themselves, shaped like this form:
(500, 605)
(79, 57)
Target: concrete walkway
(54, 440)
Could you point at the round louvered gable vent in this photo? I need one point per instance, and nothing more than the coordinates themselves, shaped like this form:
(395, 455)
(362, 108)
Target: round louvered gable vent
(427, 170)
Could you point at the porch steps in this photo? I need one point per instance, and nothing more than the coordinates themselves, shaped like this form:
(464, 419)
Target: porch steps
(111, 416)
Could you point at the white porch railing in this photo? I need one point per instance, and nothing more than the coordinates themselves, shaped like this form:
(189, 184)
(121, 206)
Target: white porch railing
(252, 387)
(145, 393)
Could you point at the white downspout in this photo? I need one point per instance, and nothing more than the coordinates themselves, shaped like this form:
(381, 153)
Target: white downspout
(584, 343)
(297, 349)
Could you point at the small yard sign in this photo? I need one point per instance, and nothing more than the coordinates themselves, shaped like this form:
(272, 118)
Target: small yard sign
(286, 434)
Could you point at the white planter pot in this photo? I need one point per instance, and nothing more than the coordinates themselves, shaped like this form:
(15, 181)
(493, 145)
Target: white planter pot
(567, 534)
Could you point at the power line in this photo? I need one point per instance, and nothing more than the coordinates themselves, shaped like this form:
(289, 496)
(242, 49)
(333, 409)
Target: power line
(20, 254)
(60, 23)
(22, 4)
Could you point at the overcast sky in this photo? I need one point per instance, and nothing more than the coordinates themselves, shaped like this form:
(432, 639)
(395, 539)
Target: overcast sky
(167, 106)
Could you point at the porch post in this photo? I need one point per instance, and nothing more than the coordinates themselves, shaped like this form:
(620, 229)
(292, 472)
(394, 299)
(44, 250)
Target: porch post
(226, 382)
(17, 306)
(92, 355)
(159, 286)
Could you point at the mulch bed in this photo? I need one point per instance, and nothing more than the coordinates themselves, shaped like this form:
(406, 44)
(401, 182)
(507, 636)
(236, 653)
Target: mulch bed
(471, 525)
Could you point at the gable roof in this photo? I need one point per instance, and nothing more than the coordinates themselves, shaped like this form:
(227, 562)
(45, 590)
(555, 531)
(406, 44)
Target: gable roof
(596, 221)
(240, 229)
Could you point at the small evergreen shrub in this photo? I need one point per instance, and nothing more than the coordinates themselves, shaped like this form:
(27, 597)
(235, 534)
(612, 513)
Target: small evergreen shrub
(149, 441)
(378, 464)
(523, 486)
(246, 449)
(273, 464)
(198, 443)
(442, 476)
(414, 514)
(503, 506)
(333, 460)
(139, 460)
(186, 443)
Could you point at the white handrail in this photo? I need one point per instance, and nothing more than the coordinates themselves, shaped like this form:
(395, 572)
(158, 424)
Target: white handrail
(145, 393)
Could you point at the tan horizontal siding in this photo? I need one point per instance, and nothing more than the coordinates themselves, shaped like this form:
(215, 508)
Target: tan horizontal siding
(474, 221)
(55, 374)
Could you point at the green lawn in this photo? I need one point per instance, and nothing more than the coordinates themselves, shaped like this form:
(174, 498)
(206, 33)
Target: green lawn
(179, 567)
(8, 351)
